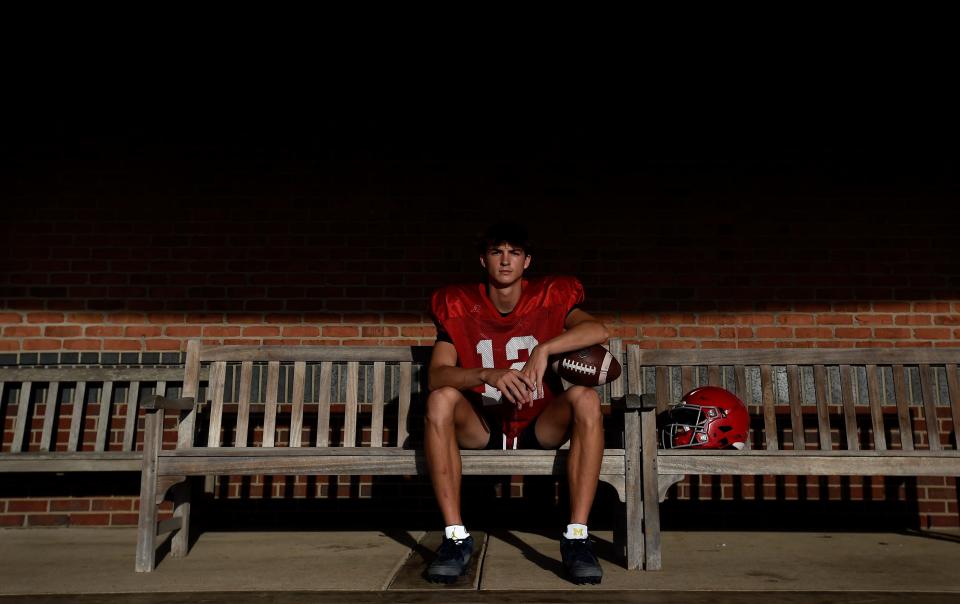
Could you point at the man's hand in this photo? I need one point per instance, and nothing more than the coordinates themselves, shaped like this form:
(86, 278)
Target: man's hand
(517, 387)
(535, 368)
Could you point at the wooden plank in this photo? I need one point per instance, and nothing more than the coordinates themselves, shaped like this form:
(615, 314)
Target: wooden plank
(307, 353)
(813, 463)
(350, 409)
(20, 424)
(49, 413)
(191, 388)
(130, 422)
(147, 520)
(384, 461)
(376, 422)
(903, 408)
(795, 396)
(740, 374)
(323, 413)
(406, 386)
(651, 498)
(876, 408)
(270, 405)
(243, 404)
(953, 389)
(714, 376)
(76, 419)
(218, 377)
(780, 356)
(616, 349)
(930, 407)
(823, 408)
(686, 379)
(103, 421)
(849, 410)
(78, 461)
(89, 374)
(296, 416)
(663, 388)
(769, 410)
(633, 487)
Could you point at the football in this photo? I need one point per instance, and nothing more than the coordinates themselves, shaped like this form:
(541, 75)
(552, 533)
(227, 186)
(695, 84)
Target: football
(592, 366)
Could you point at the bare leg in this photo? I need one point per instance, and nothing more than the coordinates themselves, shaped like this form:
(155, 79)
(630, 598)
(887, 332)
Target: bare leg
(576, 412)
(450, 422)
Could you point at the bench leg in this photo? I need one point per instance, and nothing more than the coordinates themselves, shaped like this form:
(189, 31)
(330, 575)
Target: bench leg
(651, 492)
(147, 521)
(180, 544)
(633, 494)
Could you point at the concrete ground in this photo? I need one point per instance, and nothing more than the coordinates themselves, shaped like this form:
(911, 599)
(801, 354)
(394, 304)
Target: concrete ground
(519, 566)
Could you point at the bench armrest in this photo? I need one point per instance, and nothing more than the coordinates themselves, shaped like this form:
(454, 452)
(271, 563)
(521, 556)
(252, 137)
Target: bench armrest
(155, 402)
(634, 402)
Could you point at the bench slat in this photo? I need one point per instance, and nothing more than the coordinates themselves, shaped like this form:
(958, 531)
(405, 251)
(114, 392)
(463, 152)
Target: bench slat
(306, 353)
(350, 410)
(103, 421)
(769, 411)
(714, 376)
(49, 413)
(296, 415)
(823, 407)
(663, 388)
(930, 408)
(686, 379)
(243, 403)
(191, 388)
(76, 419)
(270, 405)
(849, 410)
(876, 408)
(323, 414)
(89, 374)
(64, 461)
(406, 383)
(130, 422)
(796, 411)
(20, 424)
(824, 356)
(218, 378)
(903, 408)
(376, 423)
(616, 349)
(953, 389)
(820, 463)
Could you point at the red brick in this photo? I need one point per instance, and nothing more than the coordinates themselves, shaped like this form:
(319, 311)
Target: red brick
(163, 344)
(626, 317)
(676, 344)
(891, 333)
(913, 320)
(299, 331)
(126, 317)
(182, 331)
(261, 331)
(10, 520)
(221, 331)
(121, 345)
(932, 307)
(41, 344)
(852, 332)
(69, 505)
(891, 307)
(123, 519)
(10, 317)
(834, 319)
(774, 332)
(22, 331)
(946, 320)
(112, 505)
(932, 333)
(27, 505)
(865, 319)
(659, 332)
(340, 332)
(48, 520)
(44, 317)
(165, 318)
(142, 331)
(813, 332)
(90, 519)
(414, 332)
(795, 319)
(102, 331)
(82, 344)
(759, 319)
(676, 319)
(715, 319)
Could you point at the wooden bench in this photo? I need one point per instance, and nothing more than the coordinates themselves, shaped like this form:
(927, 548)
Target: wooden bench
(823, 412)
(75, 419)
(326, 391)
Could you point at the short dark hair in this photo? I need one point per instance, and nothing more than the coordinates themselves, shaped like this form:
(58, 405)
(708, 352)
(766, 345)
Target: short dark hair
(512, 233)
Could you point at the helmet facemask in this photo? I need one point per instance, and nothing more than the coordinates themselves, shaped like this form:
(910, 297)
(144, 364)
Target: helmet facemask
(697, 426)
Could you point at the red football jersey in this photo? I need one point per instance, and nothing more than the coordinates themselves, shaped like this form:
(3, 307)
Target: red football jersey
(485, 338)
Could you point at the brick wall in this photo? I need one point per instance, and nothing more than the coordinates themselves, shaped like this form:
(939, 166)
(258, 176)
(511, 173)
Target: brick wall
(113, 258)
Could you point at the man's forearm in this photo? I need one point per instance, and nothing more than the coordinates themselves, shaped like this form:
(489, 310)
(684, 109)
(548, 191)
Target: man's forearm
(580, 336)
(455, 377)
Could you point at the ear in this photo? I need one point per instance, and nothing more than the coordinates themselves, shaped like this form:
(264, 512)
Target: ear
(526, 261)
(483, 262)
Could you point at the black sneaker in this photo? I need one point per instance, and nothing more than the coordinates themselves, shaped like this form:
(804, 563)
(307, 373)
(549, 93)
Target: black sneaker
(452, 561)
(579, 561)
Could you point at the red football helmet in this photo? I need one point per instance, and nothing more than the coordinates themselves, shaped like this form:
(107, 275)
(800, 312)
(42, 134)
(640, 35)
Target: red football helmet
(706, 418)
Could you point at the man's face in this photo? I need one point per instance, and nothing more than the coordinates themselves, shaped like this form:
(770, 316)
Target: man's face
(504, 263)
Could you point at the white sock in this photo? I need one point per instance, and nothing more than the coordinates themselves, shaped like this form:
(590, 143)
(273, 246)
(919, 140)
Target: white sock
(576, 531)
(456, 531)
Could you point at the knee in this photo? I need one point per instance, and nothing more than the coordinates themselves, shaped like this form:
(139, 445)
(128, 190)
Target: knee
(440, 405)
(586, 405)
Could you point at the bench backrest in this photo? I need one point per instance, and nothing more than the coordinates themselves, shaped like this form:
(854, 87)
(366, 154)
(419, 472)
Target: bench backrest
(308, 396)
(850, 399)
(101, 404)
